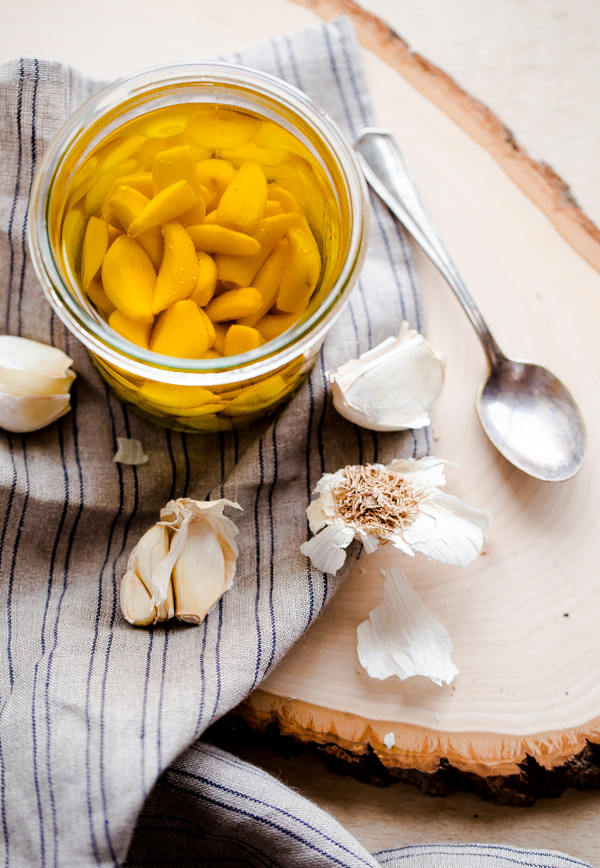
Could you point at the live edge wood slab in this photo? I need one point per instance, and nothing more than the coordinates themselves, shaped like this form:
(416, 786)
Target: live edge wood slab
(523, 716)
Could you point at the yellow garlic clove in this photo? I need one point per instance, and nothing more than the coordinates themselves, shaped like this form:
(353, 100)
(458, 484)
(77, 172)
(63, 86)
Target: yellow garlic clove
(243, 203)
(212, 238)
(241, 339)
(240, 270)
(132, 330)
(234, 303)
(274, 324)
(206, 280)
(268, 281)
(165, 206)
(95, 245)
(178, 270)
(126, 203)
(129, 278)
(178, 164)
(181, 331)
(301, 272)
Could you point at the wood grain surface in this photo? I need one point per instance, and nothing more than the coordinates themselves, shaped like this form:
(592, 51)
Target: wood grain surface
(112, 39)
(522, 617)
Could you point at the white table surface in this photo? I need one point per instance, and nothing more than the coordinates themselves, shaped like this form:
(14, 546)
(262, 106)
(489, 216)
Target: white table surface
(537, 64)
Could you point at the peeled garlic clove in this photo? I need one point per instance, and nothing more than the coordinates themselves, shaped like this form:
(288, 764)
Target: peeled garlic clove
(393, 386)
(34, 384)
(199, 576)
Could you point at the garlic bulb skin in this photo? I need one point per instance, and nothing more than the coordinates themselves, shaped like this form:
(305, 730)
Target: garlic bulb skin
(182, 565)
(34, 384)
(391, 387)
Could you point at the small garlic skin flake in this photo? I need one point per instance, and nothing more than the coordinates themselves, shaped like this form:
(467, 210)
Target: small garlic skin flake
(35, 381)
(391, 387)
(130, 451)
(401, 637)
(399, 503)
(182, 565)
(389, 740)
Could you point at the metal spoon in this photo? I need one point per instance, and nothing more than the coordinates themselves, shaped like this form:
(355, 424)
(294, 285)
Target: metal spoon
(527, 413)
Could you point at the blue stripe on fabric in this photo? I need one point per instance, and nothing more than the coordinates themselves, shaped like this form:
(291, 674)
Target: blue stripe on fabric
(186, 458)
(272, 551)
(375, 210)
(70, 543)
(161, 693)
(338, 81)
(13, 565)
(202, 681)
(144, 709)
(261, 465)
(277, 58)
(451, 850)
(275, 808)
(13, 209)
(52, 564)
(407, 256)
(217, 659)
(339, 27)
(113, 614)
(36, 81)
(293, 61)
(173, 464)
(111, 534)
(311, 411)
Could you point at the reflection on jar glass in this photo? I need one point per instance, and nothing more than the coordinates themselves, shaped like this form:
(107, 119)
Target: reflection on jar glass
(199, 227)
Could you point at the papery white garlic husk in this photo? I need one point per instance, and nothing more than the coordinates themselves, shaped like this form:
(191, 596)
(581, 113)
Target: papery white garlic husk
(136, 597)
(34, 384)
(130, 451)
(391, 387)
(399, 503)
(401, 636)
(185, 563)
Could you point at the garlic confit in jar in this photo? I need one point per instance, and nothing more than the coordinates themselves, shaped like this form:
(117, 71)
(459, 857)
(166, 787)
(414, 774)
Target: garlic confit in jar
(202, 233)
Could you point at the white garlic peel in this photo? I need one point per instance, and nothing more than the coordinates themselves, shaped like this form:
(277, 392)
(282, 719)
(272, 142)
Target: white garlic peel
(401, 636)
(182, 565)
(391, 387)
(34, 384)
(130, 451)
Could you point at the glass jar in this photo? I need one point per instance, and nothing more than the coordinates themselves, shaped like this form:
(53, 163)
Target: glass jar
(203, 394)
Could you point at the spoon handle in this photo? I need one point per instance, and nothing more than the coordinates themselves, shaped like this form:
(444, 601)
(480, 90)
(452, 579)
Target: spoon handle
(386, 171)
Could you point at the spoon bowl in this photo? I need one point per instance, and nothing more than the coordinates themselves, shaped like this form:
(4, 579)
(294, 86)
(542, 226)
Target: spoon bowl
(526, 412)
(532, 420)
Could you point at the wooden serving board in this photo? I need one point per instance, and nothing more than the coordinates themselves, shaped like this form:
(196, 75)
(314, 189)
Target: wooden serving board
(523, 618)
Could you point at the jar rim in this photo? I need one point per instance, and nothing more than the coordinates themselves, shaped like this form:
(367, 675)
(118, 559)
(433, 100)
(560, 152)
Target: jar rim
(95, 333)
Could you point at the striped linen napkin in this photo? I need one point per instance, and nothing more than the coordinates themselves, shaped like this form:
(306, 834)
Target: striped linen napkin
(101, 761)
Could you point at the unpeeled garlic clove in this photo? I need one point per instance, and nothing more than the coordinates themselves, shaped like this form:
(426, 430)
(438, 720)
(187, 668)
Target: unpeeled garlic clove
(391, 387)
(199, 575)
(136, 586)
(34, 384)
(182, 565)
